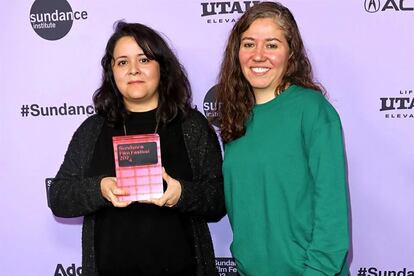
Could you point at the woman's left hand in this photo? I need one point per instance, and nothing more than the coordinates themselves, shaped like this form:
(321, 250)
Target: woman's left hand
(171, 195)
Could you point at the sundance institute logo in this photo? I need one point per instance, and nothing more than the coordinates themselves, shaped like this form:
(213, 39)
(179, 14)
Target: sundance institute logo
(401, 107)
(224, 11)
(53, 19)
(211, 106)
(373, 6)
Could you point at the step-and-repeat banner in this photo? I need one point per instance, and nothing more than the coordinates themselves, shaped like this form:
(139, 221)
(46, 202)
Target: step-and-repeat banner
(362, 52)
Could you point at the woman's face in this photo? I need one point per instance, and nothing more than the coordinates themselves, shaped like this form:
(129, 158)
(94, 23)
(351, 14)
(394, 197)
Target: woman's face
(136, 76)
(264, 55)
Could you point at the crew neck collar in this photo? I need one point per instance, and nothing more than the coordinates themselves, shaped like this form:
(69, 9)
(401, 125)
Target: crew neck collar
(276, 99)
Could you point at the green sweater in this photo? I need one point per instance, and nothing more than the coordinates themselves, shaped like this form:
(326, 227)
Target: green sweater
(285, 189)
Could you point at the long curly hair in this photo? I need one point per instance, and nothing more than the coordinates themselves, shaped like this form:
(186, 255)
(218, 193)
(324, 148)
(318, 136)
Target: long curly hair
(234, 93)
(174, 90)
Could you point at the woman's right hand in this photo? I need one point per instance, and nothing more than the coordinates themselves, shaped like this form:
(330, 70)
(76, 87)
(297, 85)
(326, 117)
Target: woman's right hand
(111, 192)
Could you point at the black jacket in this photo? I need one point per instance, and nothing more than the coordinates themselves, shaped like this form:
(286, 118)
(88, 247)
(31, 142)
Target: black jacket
(72, 194)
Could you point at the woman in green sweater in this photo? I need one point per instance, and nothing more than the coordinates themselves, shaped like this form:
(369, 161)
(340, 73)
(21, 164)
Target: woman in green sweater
(284, 162)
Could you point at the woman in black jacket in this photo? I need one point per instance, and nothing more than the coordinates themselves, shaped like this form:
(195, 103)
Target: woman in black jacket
(144, 90)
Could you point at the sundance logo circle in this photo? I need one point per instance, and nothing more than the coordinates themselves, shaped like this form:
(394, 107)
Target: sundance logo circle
(211, 106)
(53, 19)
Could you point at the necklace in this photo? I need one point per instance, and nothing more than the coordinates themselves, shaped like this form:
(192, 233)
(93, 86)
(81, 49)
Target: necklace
(155, 131)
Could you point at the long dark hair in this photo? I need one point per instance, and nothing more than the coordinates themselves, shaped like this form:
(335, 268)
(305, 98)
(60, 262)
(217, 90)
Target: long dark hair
(174, 88)
(234, 92)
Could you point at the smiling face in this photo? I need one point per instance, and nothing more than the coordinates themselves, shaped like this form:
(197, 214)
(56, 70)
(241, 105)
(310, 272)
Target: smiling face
(136, 76)
(264, 55)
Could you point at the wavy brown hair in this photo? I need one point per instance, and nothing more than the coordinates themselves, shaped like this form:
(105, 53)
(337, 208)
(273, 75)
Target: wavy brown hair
(234, 93)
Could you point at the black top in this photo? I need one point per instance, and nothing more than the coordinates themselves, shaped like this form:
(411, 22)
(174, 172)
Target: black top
(73, 193)
(143, 239)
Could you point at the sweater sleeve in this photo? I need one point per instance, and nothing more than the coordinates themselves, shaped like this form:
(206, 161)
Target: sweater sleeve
(204, 196)
(71, 193)
(330, 238)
